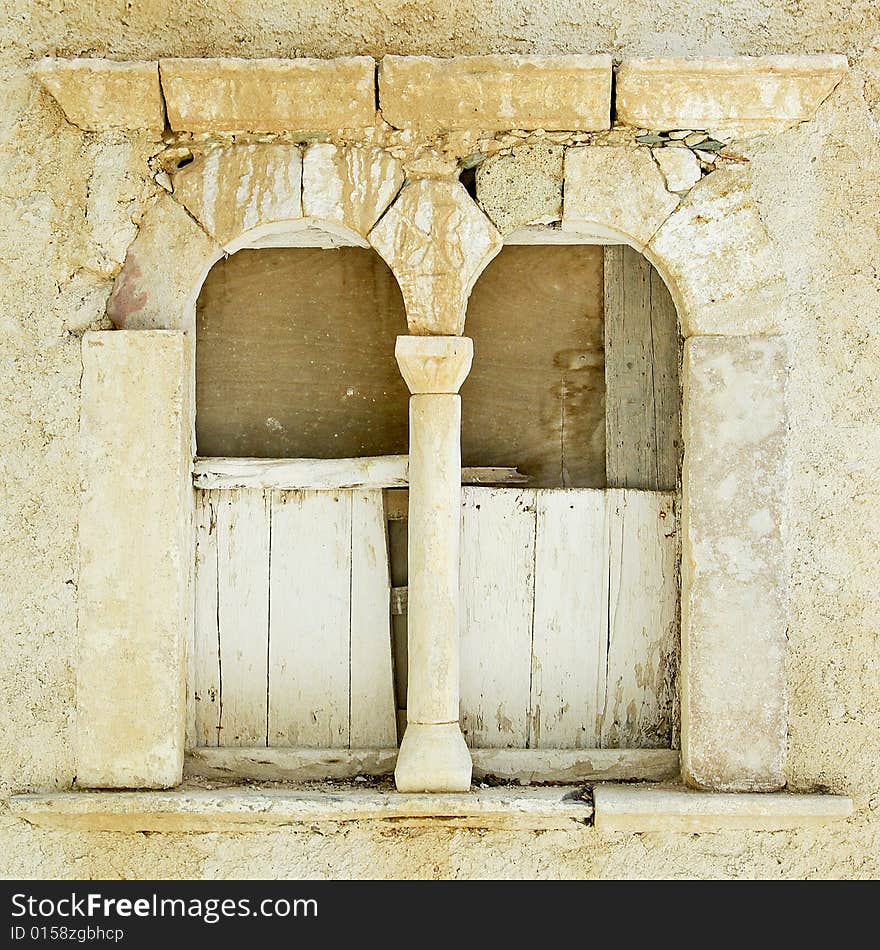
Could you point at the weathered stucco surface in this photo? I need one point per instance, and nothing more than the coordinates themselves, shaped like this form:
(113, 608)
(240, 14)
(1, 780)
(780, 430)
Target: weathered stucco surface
(70, 203)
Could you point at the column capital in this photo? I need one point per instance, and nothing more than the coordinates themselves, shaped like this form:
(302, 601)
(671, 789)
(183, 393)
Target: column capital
(434, 364)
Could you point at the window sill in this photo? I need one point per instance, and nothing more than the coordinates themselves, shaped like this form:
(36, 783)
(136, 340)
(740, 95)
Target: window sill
(618, 808)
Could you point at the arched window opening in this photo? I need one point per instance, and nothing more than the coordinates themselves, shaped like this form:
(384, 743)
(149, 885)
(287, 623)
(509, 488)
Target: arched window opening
(295, 356)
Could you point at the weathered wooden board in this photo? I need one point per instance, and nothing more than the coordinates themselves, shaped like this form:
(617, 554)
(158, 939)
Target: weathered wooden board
(373, 711)
(642, 418)
(243, 615)
(570, 619)
(497, 592)
(535, 396)
(384, 471)
(204, 676)
(309, 623)
(642, 620)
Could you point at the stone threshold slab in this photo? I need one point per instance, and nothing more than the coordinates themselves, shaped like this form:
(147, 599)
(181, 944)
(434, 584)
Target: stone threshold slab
(634, 808)
(525, 766)
(246, 809)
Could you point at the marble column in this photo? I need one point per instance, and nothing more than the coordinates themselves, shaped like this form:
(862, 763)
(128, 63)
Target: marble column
(433, 756)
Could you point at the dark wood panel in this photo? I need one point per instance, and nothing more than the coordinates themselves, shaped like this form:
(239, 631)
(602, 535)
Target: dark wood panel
(642, 346)
(295, 356)
(535, 397)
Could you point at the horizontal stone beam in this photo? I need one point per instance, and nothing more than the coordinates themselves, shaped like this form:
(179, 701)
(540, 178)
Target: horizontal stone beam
(639, 809)
(269, 95)
(735, 93)
(496, 92)
(249, 809)
(98, 94)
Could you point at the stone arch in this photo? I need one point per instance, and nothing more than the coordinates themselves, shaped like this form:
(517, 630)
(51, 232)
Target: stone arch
(246, 196)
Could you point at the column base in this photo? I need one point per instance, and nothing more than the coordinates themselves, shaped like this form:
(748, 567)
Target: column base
(433, 757)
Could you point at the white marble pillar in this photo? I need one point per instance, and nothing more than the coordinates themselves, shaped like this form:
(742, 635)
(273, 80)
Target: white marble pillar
(433, 756)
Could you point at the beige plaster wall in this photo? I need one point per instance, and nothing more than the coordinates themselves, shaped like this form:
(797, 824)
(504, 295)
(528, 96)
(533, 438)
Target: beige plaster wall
(69, 206)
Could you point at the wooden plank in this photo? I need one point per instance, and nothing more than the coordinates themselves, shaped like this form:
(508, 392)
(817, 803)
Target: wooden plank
(204, 685)
(389, 472)
(373, 716)
(301, 474)
(497, 589)
(642, 621)
(309, 623)
(529, 766)
(535, 396)
(642, 416)
(399, 601)
(289, 765)
(570, 620)
(666, 342)
(526, 766)
(243, 612)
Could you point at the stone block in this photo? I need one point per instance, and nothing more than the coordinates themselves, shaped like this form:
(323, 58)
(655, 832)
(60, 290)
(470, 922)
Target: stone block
(631, 808)
(163, 271)
(349, 186)
(617, 194)
(100, 94)
(522, 188)
(725, 93)
(496, 92)
(437, 242)
(679, 166)
(718, 261)
(241, 193)
(135, 537)
(734, 573)
(269, 95)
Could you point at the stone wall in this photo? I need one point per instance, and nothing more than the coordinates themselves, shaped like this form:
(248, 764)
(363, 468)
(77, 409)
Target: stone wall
(70, 205)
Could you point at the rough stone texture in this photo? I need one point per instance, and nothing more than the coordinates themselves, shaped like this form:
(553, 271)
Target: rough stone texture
(617, 194)
(100, 94)
(636, 809)
(522, 188)
(734, 576)
(717, 259)
(437, 242)
(136, 551)
(736, 93)
(349, 186)
(268, 95)
(496, 92)
(679, 166)
(150, 295)
(250, 190)
(815, 187)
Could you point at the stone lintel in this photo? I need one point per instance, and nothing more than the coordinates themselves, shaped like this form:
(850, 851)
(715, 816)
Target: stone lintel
(135, 536)
(725, 93)
(734, 574)
(434, 364)
(496, 92)
(269, 95)
(633, 808)
(99, 94)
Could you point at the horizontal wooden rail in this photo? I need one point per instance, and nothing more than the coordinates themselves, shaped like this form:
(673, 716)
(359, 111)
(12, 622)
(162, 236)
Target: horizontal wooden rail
(384, 471)
(526, 766)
